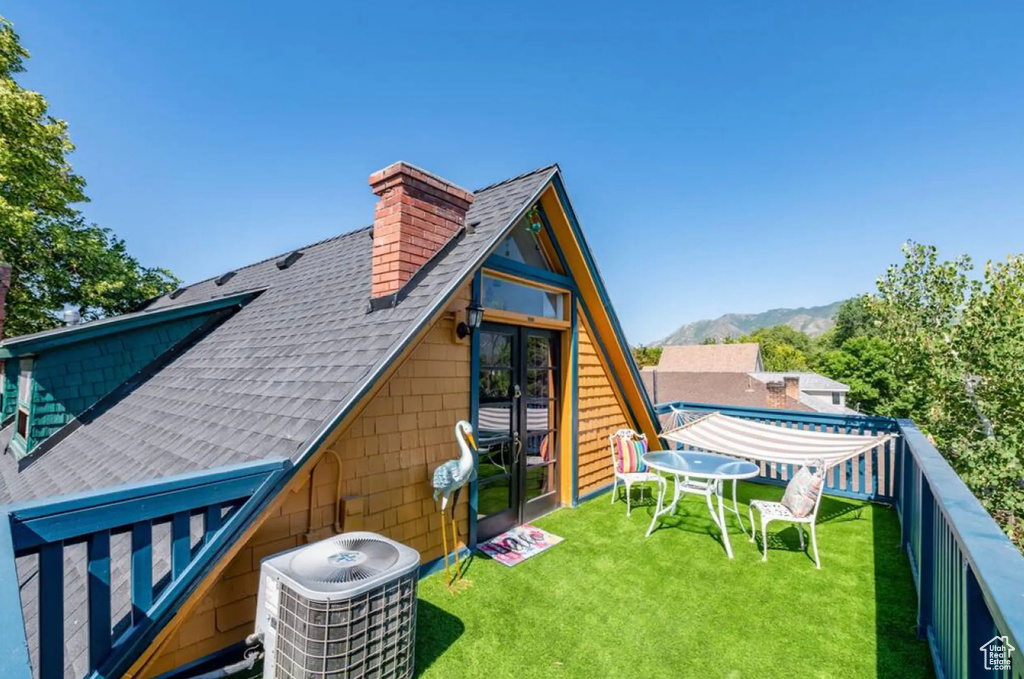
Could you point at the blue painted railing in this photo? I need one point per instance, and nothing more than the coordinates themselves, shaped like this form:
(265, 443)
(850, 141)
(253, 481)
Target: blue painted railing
(969, 577)
(196, 517)
(869, 476)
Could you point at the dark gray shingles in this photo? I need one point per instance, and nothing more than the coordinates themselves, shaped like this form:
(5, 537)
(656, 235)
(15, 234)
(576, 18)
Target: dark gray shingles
(260, 385)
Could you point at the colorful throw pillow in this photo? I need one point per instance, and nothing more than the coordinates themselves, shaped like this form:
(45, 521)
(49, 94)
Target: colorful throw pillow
(803, 490)
(630, 455)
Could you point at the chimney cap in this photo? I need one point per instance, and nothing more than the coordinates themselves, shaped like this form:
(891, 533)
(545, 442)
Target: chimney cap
(384, 179)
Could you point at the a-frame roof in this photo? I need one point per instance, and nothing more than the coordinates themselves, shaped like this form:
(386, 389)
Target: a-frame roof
(271, 378)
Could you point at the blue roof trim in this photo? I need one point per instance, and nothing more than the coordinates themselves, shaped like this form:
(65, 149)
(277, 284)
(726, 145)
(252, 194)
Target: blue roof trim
(51, 339)
(602, 292)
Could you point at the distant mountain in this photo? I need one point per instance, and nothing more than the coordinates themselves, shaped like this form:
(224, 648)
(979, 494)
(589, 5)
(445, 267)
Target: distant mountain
(812, 320)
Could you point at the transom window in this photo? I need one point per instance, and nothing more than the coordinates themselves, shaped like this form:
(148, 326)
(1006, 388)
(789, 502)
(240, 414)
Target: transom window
(506, 295)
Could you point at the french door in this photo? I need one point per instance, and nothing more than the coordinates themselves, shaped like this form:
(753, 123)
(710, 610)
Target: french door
(517, 436)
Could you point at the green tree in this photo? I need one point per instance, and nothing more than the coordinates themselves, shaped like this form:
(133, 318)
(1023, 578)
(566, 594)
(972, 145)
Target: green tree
(646, 356)
(782, 348)
(865, 365)
(958, 362)
(853, 319)
(56, 258)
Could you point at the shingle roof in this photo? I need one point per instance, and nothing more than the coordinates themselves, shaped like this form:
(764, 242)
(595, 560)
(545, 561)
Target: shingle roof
(808, 381)
(724, 388)
(719, 358)
(262, 383)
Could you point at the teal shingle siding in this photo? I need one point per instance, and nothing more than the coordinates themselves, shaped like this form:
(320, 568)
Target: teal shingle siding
(10, 388)
(71, 379)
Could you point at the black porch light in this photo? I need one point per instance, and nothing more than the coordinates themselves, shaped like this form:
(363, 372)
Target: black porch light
(474, 316)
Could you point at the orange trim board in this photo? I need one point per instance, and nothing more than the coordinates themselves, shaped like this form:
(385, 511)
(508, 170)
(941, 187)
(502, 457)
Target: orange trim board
(617, 355)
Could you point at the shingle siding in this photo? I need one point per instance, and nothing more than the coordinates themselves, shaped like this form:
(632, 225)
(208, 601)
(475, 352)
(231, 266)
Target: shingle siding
(70, 380)
(10, 387)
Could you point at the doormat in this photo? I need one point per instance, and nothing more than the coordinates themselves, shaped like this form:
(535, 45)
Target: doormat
(519, 544)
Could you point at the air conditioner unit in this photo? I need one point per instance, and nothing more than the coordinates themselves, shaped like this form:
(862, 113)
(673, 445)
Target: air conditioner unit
(341, 608)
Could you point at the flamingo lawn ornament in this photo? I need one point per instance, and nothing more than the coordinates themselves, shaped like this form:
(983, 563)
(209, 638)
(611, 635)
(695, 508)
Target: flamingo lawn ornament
(449, 478)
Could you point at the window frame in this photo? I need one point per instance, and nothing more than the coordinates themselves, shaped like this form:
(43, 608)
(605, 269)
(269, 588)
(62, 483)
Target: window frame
(23, 404)
(517, 318)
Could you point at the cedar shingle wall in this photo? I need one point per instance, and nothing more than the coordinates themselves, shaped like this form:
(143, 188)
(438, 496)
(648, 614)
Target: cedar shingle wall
(599, 415)
(387, 456)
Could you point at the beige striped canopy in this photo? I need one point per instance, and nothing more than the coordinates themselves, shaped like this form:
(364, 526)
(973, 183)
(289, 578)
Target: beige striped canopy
(720, 433)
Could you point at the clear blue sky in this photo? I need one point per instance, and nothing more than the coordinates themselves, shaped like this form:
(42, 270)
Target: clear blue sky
(722, 156)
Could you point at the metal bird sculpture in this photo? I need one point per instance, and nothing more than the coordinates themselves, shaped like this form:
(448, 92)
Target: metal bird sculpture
(448, 480)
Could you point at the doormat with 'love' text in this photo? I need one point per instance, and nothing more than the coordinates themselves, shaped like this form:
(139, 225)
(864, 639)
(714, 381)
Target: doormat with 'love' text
(517, 545)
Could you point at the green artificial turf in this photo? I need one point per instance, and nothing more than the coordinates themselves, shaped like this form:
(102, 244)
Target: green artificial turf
(608, 602)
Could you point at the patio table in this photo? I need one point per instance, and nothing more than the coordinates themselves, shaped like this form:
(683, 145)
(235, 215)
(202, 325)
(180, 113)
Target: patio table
(715, 469)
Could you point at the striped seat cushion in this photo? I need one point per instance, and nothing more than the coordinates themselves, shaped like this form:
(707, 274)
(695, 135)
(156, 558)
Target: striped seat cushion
(629, 455)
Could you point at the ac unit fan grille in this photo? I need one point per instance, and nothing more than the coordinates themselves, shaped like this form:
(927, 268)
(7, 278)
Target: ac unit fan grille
(341, 560)
(370, 636)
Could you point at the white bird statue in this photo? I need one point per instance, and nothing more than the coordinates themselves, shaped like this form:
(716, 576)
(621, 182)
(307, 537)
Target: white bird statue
(448, 480)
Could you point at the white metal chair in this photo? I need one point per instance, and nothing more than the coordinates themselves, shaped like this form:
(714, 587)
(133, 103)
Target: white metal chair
(629, 478)
(776, 511)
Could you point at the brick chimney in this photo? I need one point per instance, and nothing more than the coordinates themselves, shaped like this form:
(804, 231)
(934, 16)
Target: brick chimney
(417, 214)
(776, 395)
(5, 285)
(792, 386)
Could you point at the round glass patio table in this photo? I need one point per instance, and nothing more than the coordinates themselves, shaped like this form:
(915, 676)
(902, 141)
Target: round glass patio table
(700, 473)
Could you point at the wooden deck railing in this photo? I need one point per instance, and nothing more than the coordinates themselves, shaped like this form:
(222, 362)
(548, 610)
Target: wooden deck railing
(193, 516)
(969, 577)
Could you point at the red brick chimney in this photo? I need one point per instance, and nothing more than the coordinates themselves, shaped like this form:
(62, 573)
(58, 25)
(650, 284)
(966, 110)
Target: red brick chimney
(776, 395)
(792, 387)
(417, 214)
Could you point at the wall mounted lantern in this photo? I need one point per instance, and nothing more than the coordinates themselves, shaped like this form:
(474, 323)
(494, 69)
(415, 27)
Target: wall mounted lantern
(474, 316)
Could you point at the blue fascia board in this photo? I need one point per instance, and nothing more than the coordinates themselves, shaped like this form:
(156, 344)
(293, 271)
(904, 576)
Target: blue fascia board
(51, 339)
(514, 268)
(883, 424)
(31, 533)
(13, 643)
(43, 507)
(551, 236)
(997, 564)
(602, 292)
(474, 408)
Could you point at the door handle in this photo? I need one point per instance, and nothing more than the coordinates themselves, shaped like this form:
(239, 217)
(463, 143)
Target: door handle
(517, 392)
(517, 446)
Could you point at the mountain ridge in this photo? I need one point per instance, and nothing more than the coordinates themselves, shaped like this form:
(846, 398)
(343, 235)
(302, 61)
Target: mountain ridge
(814, 321)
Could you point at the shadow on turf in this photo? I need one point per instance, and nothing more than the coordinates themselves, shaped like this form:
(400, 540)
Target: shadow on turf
(692, 516)
(436, 631)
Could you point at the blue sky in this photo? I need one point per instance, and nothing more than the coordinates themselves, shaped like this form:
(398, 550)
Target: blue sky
(721, 156)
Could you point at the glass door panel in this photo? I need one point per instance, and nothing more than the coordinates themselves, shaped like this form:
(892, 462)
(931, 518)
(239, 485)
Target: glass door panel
(517, 421)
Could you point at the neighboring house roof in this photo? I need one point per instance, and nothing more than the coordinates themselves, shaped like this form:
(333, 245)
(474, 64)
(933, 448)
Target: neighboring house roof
(724, 388)
(808, 381)
(265, 381)
(812, 382)
(715, 358)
